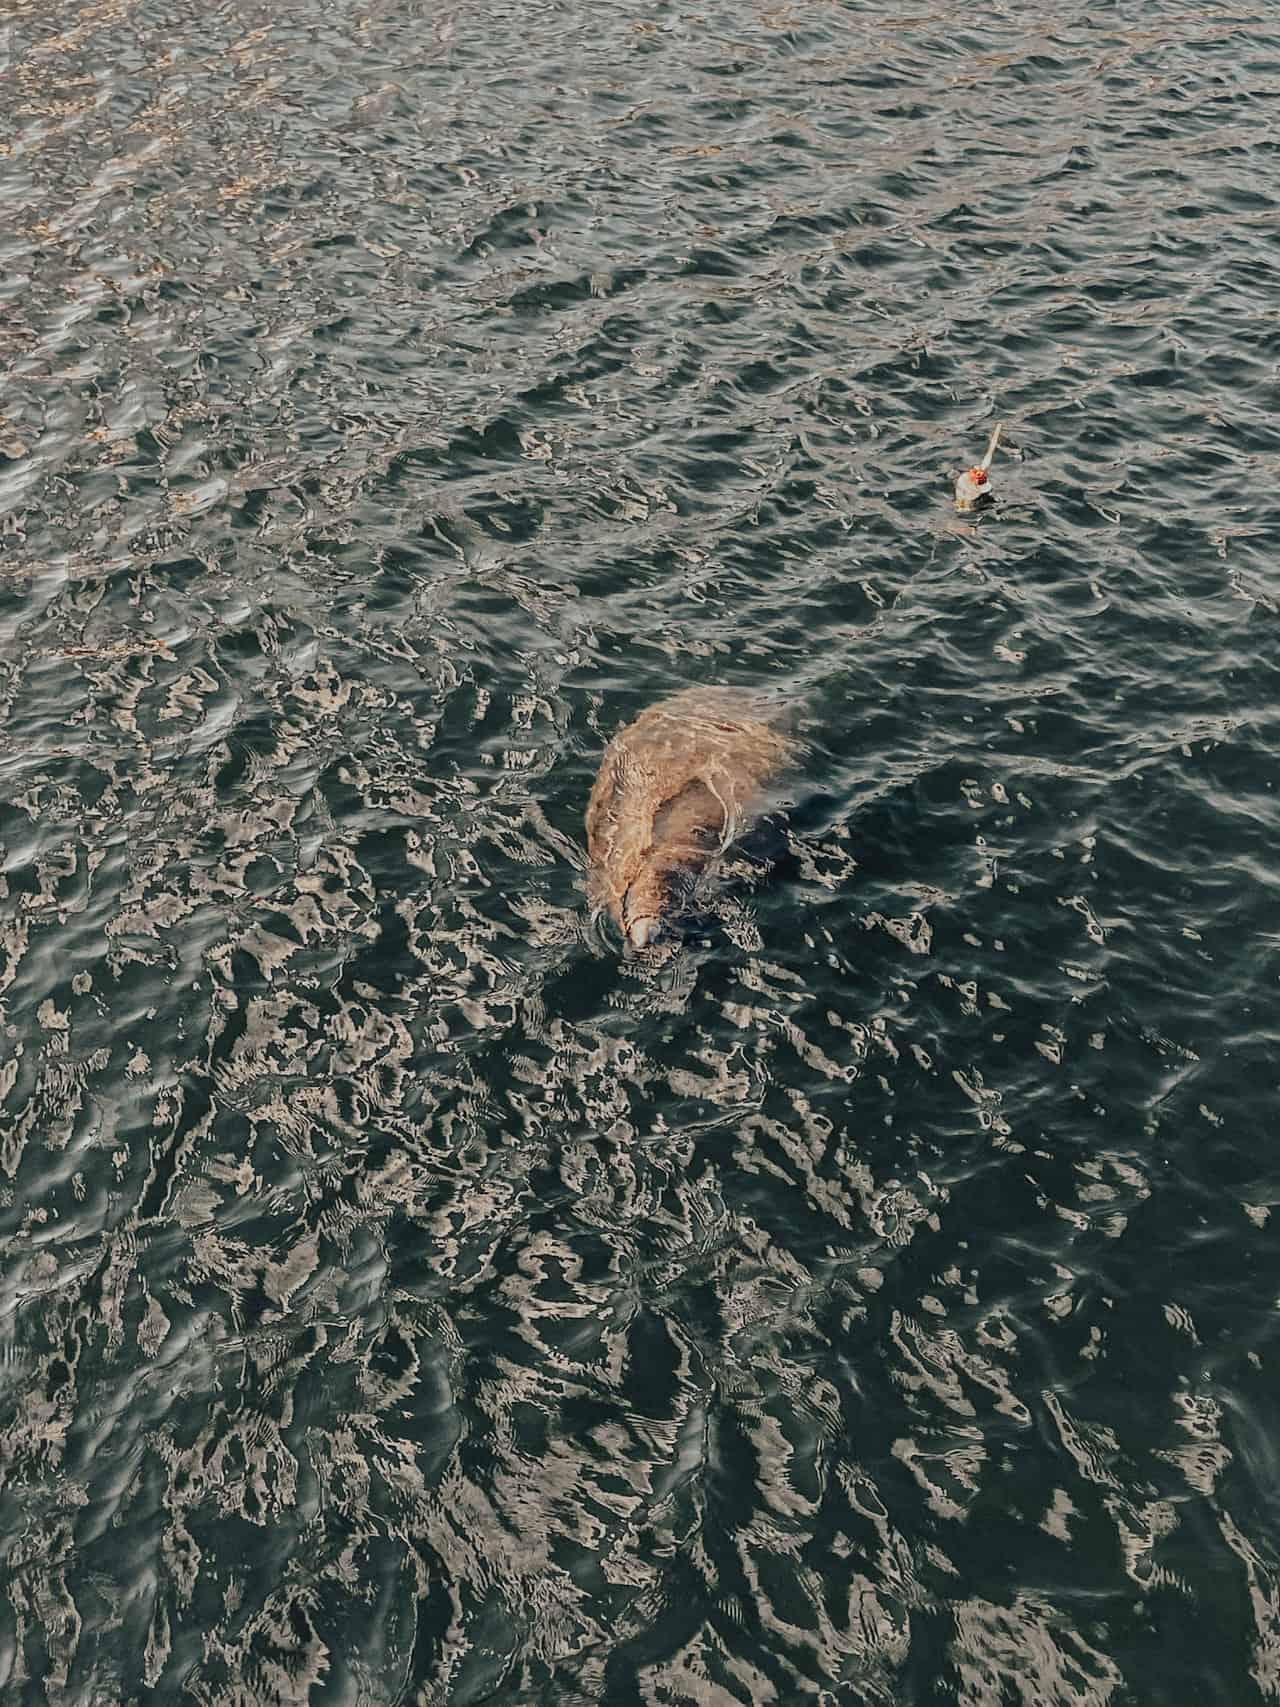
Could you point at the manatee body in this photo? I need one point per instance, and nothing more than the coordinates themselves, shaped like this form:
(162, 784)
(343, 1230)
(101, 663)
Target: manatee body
(675, 788)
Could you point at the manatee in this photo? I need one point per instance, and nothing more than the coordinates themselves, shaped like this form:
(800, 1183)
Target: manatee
(675, 788)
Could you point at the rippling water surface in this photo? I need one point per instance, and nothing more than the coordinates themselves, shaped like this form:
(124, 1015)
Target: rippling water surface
(404, 1296)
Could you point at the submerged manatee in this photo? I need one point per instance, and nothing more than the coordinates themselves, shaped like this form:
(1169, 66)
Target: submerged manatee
(675, 788)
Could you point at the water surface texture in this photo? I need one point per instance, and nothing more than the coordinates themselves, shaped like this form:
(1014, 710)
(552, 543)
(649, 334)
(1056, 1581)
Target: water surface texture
(404, 1297)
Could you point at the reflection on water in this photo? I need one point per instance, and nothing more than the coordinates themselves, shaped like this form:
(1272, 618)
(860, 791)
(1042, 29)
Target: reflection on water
(403, 1300)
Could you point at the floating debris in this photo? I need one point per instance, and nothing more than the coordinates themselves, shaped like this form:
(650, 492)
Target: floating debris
(973, 487)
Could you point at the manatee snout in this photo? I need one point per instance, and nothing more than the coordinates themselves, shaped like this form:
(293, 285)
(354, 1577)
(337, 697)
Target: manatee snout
(643, 931)
(647, 906)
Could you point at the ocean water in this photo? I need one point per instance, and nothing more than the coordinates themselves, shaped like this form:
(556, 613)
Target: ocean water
(405, 1297)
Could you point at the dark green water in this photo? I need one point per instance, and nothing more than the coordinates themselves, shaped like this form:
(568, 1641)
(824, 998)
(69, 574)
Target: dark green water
(405, 1299)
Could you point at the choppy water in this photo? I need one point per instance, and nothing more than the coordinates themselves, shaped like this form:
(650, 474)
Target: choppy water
(404, 1300)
